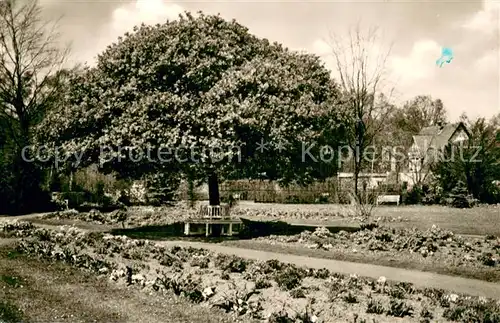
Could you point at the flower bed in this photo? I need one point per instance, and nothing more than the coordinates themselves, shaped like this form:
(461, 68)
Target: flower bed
(270, 291)
(133, 216)
(94, 216)
(144, 216)
(345, 214)
(433, 245)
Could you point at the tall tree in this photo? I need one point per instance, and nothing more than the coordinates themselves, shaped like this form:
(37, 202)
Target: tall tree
(30, 55)
(416, 114)
(362, 70)
(477, 163)
(209, 90)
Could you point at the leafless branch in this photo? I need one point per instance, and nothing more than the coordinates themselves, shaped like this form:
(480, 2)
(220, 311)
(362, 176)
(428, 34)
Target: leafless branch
(30, 57)
(362, 71)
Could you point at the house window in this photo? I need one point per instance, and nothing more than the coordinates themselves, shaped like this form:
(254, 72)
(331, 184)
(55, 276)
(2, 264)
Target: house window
(460, 138)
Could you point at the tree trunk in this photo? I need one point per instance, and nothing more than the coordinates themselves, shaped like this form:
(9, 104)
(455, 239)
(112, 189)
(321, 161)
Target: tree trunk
(357, 169)
(356, 179)
(71, 181)
(191, 193)
(213, 189)
(50, 184)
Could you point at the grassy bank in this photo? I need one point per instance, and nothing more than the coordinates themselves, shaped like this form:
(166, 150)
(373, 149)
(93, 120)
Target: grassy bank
(32, 290)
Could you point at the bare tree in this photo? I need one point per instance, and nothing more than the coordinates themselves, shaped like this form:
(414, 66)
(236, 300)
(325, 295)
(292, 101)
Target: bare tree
(408, 121)
(30, 58)
(420, 163)
(362, 71)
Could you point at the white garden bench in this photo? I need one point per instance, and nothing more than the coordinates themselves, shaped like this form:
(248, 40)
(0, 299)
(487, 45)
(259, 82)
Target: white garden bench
(215, 211)
(388, 199)
(211, 215)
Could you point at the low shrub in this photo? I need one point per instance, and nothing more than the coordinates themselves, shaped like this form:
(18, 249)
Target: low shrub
(298, 293)
(185, 286)
(474, 311)
(201, 262)
(487, 259)
(375, 307)
(272, 265)
(307, 315)
(426, 313)
(400, 290)
(368, 226)
(238, 300)
(262, 283)
(71, 244)
(11, 280)
(289, 278)
(169, 261)
(280, 317)
(350, 298)
(435, 294)
(230, 263)
(399, 309)
(9, 312)
(321, 273)
(335, 289)
(413, 196)
(460, 197)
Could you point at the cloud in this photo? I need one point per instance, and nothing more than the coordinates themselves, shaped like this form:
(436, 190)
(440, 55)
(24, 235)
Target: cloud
(149, 12)
(486, 20)
(124, 18)
(374, 57)
(488, 63)
(419, 64)
(321, 48)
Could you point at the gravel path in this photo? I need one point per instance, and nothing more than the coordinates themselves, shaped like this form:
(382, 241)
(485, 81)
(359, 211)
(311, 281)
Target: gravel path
(419, 278)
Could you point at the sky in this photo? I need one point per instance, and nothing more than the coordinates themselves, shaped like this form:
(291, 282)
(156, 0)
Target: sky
(413, 34)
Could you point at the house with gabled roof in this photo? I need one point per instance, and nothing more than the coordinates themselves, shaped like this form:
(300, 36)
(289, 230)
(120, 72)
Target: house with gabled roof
(426, 146)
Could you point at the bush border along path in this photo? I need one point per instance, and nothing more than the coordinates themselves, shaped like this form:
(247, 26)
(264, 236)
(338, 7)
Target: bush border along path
(58, 292)
(215, 270)
(418, 278)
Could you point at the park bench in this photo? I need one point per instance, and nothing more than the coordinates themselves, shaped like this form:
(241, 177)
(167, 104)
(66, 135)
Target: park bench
(56, 196)
(210, 216)
(215, 211)
(388, 199)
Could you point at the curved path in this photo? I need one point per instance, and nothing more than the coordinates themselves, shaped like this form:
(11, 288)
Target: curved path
(418, 278)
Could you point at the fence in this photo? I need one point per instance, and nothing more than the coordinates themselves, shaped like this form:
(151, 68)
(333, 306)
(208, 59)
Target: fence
(330, 191)
(271, 192)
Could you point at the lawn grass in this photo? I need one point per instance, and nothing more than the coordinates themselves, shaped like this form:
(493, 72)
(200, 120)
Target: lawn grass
(78, 223)
(481, 220)
(32, 290)
(375, 259)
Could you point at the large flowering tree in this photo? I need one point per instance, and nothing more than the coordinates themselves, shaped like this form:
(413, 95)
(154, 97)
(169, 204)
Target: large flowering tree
(206, 93)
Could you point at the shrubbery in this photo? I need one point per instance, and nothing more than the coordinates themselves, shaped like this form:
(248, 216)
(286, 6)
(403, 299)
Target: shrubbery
(460, 197)
(103, 254)
(432, 243)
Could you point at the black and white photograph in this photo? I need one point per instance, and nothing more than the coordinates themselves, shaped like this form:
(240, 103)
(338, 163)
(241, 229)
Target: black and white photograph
(286, 161)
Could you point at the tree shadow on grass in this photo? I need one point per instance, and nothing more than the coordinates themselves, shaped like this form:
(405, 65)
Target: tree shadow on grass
(10, 313)
(254, 229)
(250, 229)
(173, 231)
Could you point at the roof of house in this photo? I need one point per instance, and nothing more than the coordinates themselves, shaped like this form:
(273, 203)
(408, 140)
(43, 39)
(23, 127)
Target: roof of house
(436, 136)
(422, 142)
